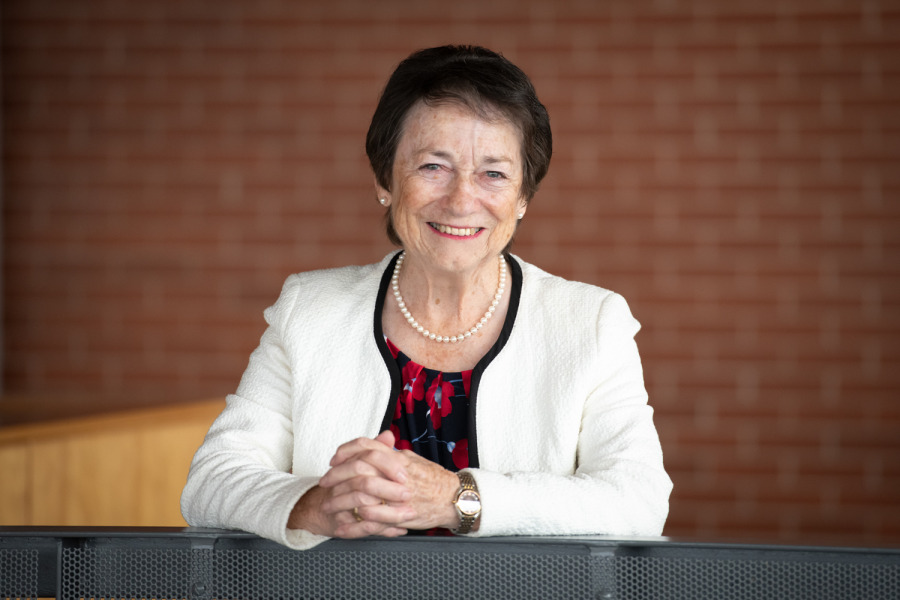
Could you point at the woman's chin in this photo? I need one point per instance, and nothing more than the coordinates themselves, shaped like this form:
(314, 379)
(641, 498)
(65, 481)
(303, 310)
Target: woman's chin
(453, 260)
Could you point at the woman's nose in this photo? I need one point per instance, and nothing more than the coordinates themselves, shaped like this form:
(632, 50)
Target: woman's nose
(462, 195)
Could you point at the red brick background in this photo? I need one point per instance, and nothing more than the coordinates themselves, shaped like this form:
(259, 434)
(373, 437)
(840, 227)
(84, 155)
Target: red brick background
(730, 167)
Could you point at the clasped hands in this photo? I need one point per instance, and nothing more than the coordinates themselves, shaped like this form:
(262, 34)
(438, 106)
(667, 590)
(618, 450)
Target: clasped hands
(373, 489)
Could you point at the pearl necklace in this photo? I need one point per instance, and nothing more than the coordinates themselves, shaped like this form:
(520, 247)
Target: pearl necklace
(395, 284)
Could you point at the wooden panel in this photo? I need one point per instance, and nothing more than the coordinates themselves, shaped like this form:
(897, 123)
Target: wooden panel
(48, 481)
(102, 479)
(165, 455)
(119, 470)
(13, 486)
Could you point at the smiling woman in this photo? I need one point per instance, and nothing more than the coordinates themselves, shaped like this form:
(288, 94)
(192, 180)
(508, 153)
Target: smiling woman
(525, 415)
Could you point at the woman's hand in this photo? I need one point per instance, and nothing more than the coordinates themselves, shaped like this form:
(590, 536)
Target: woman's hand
(433, 489)
(390, 491)
(328, 509)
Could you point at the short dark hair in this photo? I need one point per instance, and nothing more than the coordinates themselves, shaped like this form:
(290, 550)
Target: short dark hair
(476, 77)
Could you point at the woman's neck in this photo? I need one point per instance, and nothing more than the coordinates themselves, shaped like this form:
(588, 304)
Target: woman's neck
(422, 291)
(448, 303)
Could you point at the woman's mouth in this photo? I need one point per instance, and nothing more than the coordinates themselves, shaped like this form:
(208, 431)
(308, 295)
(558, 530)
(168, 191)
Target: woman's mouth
(457, 231)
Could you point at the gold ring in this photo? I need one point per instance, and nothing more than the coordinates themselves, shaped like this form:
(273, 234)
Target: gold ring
(356, 515)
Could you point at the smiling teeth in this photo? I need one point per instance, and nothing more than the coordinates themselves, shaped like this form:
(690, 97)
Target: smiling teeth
(464, 231)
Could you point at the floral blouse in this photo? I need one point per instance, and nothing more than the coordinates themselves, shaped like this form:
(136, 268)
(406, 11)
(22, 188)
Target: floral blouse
(431, 414)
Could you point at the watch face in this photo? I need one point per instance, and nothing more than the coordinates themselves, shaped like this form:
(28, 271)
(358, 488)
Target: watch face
(468, 502)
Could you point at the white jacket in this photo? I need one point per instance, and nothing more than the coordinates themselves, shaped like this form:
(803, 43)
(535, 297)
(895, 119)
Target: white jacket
(563, 441)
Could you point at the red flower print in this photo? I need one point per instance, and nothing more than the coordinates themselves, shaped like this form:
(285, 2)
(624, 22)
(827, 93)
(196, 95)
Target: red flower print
(461, 454)
(399, 444)
(440, 400)
(413, 388)
(447, 392)
(467, 382)
(413, 372)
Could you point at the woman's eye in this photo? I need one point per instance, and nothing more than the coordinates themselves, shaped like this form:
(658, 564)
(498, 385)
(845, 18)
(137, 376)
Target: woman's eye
(495, 175)
(430, 167)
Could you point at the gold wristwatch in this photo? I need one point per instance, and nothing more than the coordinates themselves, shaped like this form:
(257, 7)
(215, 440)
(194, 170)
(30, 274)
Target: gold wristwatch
(467, 502)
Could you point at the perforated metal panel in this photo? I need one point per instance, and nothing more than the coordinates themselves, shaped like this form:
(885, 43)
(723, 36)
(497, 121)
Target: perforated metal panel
(117, 572)
(208, 566)
(642, 578)
(388, 575)
(18, 573)
(279, 573)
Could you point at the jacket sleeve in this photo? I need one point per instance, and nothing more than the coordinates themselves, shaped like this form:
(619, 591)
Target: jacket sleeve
(240, 476)
(619, 485)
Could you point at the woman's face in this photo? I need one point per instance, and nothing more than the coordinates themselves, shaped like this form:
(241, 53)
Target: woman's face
(456, 187)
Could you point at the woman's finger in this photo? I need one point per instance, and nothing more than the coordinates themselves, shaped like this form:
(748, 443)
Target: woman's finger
(350, 449)
(390, 463)
(349, 470)
(347, 502)
(386, 437)
(367, 528)
(381, 489)
(433, 489)
(366, 465)
(383, 441)
(373, 519)
(387, 514)
(309, 514)
(360, 500)
(377, 519)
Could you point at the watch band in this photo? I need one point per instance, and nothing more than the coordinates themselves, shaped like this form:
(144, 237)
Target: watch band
(467, 496)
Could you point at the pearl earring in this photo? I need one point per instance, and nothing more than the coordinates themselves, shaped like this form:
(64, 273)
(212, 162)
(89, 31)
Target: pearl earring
(383, 201)
(521, 215)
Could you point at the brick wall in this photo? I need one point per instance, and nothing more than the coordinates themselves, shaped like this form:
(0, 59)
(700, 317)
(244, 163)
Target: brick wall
(730, 167)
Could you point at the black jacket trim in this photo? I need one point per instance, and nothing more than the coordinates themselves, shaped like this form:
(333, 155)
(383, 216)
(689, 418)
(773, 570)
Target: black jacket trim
(386, 356)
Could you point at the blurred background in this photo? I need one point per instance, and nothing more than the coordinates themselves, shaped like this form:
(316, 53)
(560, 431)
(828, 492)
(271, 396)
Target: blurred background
(731, 168)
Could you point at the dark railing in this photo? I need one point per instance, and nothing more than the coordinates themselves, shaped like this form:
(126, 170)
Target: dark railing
(202, 564)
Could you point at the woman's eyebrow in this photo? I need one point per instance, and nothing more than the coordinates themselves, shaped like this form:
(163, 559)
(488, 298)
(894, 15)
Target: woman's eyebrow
(443, 154)
(430, 152)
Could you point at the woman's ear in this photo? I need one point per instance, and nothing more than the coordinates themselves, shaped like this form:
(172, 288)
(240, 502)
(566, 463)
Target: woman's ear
(523, 206)
(384, 196)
